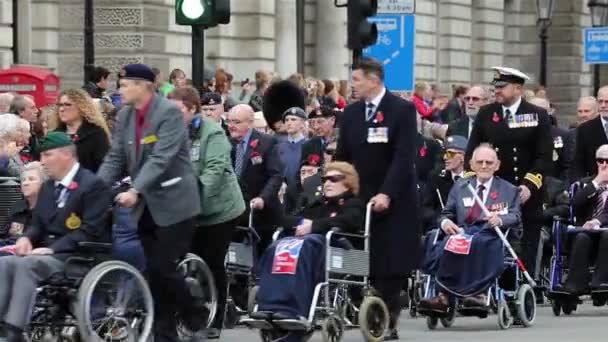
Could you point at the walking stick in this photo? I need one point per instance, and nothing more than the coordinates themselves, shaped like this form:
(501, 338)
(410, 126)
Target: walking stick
(440, 199)
(502, 237)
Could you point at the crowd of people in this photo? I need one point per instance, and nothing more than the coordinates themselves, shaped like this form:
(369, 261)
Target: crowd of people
(303, 154)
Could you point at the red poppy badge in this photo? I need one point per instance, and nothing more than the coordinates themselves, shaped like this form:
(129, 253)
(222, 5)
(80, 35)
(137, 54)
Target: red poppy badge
(495, 117)
(314, 159)
(75, 138)
(73, 186)
(254, 143)
(493, 195)
(379, 117)
(422, 151)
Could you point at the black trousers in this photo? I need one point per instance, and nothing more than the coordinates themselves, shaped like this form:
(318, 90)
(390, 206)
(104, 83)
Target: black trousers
(163, 247)
(211, 244)
(588, 249)
(390, 291)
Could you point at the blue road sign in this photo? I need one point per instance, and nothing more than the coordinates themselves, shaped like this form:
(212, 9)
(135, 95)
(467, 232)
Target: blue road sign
(395, 49)
(595, 43)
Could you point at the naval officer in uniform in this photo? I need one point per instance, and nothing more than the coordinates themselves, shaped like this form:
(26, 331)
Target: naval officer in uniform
(520, 132)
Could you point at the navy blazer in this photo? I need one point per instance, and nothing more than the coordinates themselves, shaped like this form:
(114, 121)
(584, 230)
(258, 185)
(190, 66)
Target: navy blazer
(84, 217)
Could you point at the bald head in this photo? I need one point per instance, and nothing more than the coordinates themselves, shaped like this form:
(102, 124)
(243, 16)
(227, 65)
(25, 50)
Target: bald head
(240, 121)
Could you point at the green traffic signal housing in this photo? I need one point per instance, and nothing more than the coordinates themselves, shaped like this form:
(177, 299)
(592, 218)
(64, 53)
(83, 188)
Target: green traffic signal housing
(202, 12)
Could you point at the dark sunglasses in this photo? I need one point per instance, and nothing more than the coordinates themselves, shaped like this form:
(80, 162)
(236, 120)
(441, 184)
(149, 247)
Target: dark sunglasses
(471, 98)
(601, 160)
(333, 178)
(330, 151)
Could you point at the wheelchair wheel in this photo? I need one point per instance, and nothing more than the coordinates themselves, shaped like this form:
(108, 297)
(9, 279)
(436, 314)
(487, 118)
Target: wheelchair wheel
(201, 283)
(556, 307)
(568, 307)
(449, 320)
(332, 329)
(431, 322)
(251, 298)
(114, 303)
(505, 319)
(373, 319)
(526, 305)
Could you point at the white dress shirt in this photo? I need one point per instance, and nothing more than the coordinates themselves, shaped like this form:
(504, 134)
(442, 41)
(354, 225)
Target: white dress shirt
(513, 108)
(376, 100)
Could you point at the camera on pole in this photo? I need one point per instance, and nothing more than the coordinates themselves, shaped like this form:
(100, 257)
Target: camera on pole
(361, 33)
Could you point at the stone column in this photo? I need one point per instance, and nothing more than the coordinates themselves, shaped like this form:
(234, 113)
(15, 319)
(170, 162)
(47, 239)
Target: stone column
(487, 43)
(6, 33)
(455, 43)
(24, 27)
(426, 51)
(286, 44)
(331, 54)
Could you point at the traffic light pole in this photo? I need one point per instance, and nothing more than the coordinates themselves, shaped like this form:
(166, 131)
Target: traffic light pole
(357, 54)
(198, 56)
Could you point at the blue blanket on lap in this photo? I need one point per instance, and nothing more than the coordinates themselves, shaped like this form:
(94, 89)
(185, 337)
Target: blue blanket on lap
(289, 270)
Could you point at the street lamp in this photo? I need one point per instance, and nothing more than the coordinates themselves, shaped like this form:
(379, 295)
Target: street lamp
(599, 17)
(544, 11)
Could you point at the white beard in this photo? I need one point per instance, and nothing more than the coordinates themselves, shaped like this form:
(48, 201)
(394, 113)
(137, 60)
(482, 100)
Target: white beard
(471, 112)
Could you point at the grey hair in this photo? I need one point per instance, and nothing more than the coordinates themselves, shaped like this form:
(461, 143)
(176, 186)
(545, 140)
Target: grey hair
(485, 146)
(9, 124)
(19, 103)
(602, 151)
(5, 102)
(35, 166)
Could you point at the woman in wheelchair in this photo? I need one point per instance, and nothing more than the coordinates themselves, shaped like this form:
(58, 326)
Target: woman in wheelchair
(589, 246)
(470, 256)
(337, 206)
(20, 214)
(287, 281)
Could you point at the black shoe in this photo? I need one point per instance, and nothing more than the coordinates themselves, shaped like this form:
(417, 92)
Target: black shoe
(213, 333)
(2, 331)
(391, 335)
(14, 335)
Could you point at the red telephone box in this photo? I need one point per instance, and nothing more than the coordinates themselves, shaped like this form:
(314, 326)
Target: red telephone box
(42, 84)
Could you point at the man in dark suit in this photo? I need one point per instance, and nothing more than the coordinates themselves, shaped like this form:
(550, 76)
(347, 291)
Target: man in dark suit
(589, 136)
(475, 98)
(377, 135)
(73, 206)
(259, 169)
(151, 145)
(521, 135)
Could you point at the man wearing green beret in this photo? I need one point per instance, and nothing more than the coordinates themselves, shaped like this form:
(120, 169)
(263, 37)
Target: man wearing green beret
(72, 208)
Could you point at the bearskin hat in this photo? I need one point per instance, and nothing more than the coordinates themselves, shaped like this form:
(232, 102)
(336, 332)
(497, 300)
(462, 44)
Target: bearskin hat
(279, 97)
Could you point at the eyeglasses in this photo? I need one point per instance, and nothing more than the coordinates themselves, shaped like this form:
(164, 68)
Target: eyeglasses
(333, 178)
(601, 160)
(471, 98)
(487, 162)
(64, 104)
(330, 151)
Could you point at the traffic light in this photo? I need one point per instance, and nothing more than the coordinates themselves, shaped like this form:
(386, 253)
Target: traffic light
(361, 33)
(206, 13)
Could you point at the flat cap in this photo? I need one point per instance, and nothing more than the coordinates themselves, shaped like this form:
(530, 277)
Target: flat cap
(456, 142)
(53, 140)
(139, 72)
(295, 111)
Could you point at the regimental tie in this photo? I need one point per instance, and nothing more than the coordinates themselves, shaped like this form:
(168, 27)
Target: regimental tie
(507, 114)
(600, 201)
(58, 188)
(475, 211)
(370, 111)
(606, 129)
(238, 160)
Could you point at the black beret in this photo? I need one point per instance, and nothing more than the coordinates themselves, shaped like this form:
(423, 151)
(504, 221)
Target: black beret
(210, 99)
(138, 72)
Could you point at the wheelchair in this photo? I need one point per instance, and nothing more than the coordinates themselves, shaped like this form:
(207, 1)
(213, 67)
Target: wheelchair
(509, 297)
(562, 301)
(94, 299)
(332, 308)
(240, 261)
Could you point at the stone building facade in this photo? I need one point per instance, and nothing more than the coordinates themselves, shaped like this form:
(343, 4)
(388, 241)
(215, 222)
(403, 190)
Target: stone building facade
(457, 41)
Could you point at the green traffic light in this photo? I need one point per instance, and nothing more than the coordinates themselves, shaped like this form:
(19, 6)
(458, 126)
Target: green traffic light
(192, 9)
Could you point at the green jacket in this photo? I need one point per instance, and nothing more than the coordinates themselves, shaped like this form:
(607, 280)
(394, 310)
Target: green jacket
(221, 198)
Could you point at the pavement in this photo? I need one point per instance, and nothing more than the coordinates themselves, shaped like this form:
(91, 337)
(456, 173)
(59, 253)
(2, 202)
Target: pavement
(587, 324)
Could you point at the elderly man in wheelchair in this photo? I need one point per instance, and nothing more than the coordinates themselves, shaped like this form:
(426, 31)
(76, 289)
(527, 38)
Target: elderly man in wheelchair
(587, 245)
(469, 257)
(72, 211)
